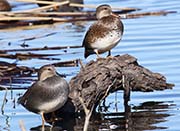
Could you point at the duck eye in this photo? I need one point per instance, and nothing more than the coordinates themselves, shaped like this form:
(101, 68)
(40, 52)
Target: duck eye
(49, 69)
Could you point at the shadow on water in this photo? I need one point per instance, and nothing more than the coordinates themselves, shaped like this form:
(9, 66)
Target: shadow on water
(143, 117)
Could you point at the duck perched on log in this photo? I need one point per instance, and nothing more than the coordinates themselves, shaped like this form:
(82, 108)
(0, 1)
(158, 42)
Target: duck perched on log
(104, 34)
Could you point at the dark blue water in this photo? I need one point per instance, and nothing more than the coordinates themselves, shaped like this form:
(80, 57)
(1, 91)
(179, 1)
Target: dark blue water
(154, 40)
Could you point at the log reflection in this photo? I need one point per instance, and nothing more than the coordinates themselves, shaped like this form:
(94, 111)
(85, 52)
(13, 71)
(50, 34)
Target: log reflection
(142, 117)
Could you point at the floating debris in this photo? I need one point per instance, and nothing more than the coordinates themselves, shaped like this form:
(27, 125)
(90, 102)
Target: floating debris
(38, 49)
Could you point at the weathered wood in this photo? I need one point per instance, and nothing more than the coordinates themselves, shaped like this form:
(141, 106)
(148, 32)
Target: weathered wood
(107, 75)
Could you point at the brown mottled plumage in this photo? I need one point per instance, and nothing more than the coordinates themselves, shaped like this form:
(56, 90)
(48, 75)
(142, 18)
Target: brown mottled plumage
(104, 34)
(4, 5)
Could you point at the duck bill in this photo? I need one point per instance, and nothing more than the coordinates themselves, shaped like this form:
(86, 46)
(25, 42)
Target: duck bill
(61, 75)
(116, 15)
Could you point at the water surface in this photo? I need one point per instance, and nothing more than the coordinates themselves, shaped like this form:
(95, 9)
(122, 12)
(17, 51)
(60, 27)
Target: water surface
(154, 40)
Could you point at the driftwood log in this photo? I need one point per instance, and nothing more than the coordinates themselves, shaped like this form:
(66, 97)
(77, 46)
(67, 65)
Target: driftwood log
(106, 75)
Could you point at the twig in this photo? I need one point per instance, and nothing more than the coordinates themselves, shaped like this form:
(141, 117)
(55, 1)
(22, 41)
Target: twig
(67, 13)
(4, 100)
(43, 48)
(45, 16)
(83, 104)
(75, 4)
(156, 13)
(82, 5)
(46, 7)
(50, 20)
(14, 88)
(123, 81)
(82, 65)
(107, 91)
(22, 13)
(109, 87)
(10, 81)
(70, 63)
(33, 18)
(126, 87)
(88, 113)
(42, 2)
(21, 124)
(95, 6)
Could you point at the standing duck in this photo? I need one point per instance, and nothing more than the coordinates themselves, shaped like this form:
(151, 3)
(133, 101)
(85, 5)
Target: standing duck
(46, 95)
(104, 34)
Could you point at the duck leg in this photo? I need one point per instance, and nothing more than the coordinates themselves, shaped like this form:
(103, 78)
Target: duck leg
(43, 120)
(96, 51)
(109, 53)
